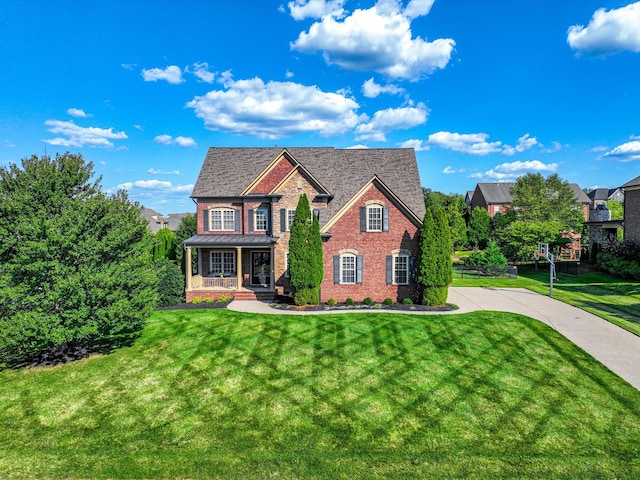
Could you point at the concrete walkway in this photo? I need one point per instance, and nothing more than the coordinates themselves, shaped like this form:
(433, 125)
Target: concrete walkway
(613, 346)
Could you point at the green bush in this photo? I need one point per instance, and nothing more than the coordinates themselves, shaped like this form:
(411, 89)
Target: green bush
(367, 301)
(388, 301)
(331, 301)
(407, 301)
(307, 296)
(349, 301)
(196, 300)
(223, 299)
(170, 283)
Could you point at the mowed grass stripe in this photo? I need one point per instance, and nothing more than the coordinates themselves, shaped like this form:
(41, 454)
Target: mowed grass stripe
(220, 394)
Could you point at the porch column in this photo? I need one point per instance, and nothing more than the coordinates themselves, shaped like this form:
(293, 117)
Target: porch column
(187, 267)
(273, 263)
(239, 269)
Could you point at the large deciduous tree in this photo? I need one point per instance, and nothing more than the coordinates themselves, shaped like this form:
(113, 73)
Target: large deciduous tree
(478, 227)
(75, 264)
(306, 268)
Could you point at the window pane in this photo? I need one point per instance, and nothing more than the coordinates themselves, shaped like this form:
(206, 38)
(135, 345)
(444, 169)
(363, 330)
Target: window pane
(216, 220)
(401, 269)
(222, 219)
(261, 220)
(348, 270)
(374, 219)
(229, 220)
(291, 214)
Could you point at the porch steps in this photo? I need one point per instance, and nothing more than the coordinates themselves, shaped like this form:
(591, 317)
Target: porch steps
(249, 295)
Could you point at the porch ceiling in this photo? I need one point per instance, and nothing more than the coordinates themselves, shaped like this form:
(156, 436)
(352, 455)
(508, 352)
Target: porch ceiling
(230, 240)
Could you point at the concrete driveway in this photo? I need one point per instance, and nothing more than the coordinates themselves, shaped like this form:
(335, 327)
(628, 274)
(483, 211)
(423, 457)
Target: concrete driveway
(613, 346)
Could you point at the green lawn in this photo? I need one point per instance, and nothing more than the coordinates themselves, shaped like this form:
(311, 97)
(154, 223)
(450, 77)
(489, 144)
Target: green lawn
(613, 299)
(219, 394)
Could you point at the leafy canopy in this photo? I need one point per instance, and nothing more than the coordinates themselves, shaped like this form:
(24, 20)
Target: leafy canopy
(75, 263)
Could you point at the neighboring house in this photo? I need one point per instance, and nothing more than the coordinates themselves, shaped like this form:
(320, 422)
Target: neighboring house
(496, 197)
(632, 209)
(600, 196)
(157, 220)
(369, 204)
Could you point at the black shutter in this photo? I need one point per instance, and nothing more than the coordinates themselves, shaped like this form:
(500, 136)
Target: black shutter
(389, 269)
(359, 261)
(236, 220)
(205, 220)
(363, 219)
(251, 220)
(268, 213)
(283, 219)
(336, 269)
(385, 219)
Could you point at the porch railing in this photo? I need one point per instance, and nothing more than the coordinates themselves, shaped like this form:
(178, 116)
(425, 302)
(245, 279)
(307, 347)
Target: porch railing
(220, 282)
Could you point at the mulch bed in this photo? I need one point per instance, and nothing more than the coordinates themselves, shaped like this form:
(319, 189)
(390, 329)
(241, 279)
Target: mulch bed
(196, 306)
(361, 306)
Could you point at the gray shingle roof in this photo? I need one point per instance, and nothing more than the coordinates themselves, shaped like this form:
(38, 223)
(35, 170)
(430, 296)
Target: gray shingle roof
(229, 171)
(632, 183)
(226, 240)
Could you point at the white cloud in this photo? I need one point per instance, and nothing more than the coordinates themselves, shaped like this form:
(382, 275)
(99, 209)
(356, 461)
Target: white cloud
(449, 170)
(510, 171)
(609, 31)
(180, 141)
(472, 143)
(155, 185)
(627, 152)
(417, 145)
(301, 9)
(274, 109)
(77, 136)
(371, 89)
(128, 66)
(555, 146)
(201, 71)
(171, 74)
(153, 171)
(77, 112)
(524, 143)
(390, 119)
(377, 39)
(9, 144)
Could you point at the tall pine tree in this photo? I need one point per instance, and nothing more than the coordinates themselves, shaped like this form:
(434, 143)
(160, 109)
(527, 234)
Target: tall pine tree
(306, 269)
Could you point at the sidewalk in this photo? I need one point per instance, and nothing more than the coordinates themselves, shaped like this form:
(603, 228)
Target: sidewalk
(611, 345)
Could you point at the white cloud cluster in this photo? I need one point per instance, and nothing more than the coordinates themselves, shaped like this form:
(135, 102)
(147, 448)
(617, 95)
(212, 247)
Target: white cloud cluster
(472, 143)
(171, 74)
(274, 109)
(510, 171)
(371, 89)
(180, 141)
(390, 119)
(377, 39)
(609, 31)
(77, 136)
(78, 113)
(627, 152)
(301, 9)
(153, 171)
(524, 143)
(155, 186)
(202, 72)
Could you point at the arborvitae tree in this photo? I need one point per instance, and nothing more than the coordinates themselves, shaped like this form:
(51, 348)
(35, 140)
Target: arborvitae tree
(170, 283)
(164, 245)
(431, 286)
(75, 265)
(188, 228)
(443, 247)
(306, 269)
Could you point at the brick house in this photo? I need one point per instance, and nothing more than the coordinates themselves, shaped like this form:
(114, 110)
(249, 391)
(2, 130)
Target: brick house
(368, 201)
(632, 209)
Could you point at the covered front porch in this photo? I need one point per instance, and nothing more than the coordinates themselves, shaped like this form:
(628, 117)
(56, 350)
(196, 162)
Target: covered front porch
(236, 266)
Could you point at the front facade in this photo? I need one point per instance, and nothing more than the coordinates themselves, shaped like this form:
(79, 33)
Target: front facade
(369, 204)
(632, 210)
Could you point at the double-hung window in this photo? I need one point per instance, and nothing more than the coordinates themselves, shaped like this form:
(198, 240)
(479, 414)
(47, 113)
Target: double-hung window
(374, 218)
(260, 222)
(348, 269)
(291, 215)
(223, 263)
(401, 269)
(222, 219)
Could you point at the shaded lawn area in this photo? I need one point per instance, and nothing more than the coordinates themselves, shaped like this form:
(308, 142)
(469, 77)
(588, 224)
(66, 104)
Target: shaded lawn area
(614, 299)
(220, 394)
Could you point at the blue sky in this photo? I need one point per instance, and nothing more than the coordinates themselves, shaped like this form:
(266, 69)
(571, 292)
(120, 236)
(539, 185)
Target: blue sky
(483, 90)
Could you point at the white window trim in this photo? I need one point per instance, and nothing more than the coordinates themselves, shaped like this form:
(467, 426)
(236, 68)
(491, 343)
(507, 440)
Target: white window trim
(291, 215)
(255, 219)
(343, 270)
(225, 271)
(222, 211)
(370, 208)
(395, 264)
(286, 264)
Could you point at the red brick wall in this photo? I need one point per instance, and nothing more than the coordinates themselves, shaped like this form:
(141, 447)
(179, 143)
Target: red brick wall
(280, 170)
(374, 247)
